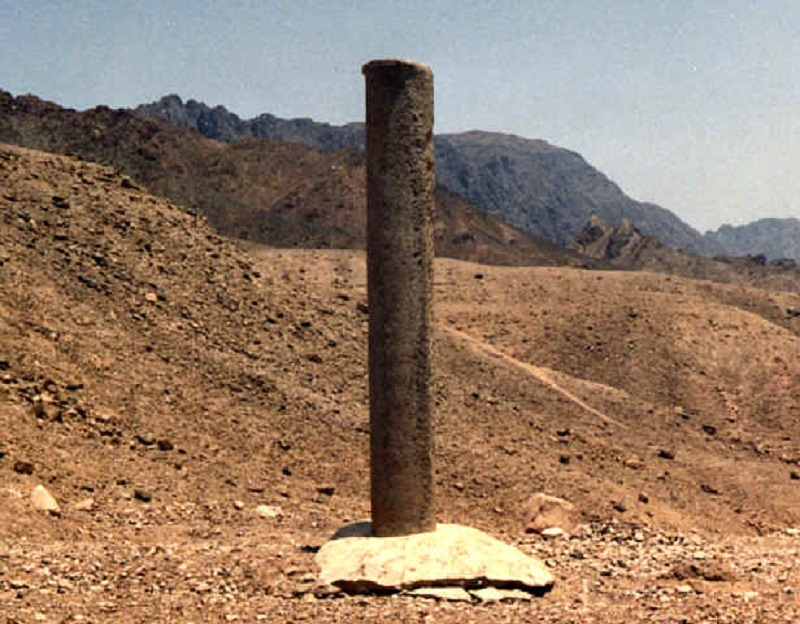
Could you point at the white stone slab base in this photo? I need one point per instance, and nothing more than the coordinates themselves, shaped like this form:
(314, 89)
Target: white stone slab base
(451, 558)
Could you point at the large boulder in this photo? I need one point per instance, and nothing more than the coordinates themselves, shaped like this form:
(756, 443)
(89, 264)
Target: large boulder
(452, 556)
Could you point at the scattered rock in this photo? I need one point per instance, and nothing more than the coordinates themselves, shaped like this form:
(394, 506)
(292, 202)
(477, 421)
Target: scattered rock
(707, 570)
(85, 505)
(42, 500)
(46, 410)
(268, 511)
(547, 512)
(165, 445)
(238, 505)
(620, 506)
(143, 495)
(23, 467)
(324, 493)
(666, 454)
(553, 532)
(634, 463)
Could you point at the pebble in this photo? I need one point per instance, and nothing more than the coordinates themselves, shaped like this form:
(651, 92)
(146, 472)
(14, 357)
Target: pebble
(553, 532)
(85, 505)
(268, 511)
(42, 500)
(143, 495)
(23, 467)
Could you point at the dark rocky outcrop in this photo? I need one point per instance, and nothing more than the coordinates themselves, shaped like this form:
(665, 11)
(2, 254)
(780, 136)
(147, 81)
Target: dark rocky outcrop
(625, 247)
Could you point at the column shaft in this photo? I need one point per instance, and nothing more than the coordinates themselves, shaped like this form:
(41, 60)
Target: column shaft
(400, 198)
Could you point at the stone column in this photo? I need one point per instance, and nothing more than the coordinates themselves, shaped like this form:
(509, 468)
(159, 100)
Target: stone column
(400, 188)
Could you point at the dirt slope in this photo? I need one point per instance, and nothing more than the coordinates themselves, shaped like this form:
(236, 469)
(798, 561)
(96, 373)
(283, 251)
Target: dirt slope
(179, 380)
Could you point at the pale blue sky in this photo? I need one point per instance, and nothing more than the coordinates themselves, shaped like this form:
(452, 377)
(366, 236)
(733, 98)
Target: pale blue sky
(692, 104)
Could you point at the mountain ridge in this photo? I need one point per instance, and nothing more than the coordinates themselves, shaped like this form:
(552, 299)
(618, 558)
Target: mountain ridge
(774, 238)
(522, 207)
(277, 193)
(543, 189)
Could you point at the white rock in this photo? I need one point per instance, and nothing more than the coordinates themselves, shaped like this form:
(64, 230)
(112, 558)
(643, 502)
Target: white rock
(42, 500)
(85, 505)
(268, 511)
(451, 555)
(453, 594)
(494, 594)
(553, 532)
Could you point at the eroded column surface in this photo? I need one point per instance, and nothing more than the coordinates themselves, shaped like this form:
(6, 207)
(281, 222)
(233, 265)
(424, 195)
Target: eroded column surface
(400, 187)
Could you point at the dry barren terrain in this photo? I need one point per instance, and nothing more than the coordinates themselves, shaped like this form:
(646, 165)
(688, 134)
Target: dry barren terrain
(198, 408)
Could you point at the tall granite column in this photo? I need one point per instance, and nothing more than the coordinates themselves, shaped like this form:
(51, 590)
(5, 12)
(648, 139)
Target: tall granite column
(400, 188)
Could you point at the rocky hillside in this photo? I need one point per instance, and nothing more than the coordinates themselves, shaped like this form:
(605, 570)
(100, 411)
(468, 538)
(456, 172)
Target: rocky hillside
(543, 189)
(199, 412)
(624, 247)
(772, 238)
(546, 189)
(126, 321)
(277, 193)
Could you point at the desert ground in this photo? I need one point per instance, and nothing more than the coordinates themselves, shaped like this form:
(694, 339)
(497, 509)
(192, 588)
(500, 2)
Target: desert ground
(198, 408)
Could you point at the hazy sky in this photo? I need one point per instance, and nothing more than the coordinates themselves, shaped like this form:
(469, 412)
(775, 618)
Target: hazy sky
(692, 104)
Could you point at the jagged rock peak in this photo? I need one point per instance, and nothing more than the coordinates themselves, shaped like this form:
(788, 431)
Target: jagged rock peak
(602, 241)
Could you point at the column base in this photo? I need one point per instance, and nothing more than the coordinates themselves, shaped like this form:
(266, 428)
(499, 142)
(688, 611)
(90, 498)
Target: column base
(451, 563)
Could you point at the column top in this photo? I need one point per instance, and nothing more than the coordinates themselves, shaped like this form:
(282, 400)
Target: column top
(395, 63)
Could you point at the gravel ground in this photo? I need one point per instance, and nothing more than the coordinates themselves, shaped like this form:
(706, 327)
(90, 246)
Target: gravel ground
(250, 573)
